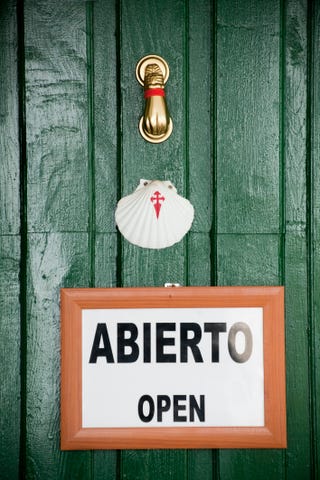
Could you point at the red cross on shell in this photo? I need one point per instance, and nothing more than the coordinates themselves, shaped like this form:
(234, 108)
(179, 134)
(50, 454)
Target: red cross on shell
(157, 200)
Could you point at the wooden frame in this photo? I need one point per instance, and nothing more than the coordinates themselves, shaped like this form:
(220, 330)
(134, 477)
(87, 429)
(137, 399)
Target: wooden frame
(271, 435)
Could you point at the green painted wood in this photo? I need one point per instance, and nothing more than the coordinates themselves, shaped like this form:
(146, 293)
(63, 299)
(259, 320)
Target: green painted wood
(105, 260)
(84, 151)
(247, 96)
(57, 130)
(248, 172)
(104, 169)
(198, 104)
(150, 27)
(56, 93)
(105, 463)
(153, 268)
(259, 253)
(257, 264)
(200, 113)
(295, 114)
(9, 357)
(9, 126)
(199, 261)
(9, 245)
(55, 260)
(314, 230)
(105, 110)
(153, 464)
(298, 458)
(141, 159)
(201, 464)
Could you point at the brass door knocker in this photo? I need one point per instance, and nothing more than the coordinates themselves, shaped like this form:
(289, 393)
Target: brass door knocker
(152, 73)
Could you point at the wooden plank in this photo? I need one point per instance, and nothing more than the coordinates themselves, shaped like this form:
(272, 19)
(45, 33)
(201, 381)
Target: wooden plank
(242, 258)
(298, 460)
(249, 260)
(10, 356)
(166, 464)
(201, 463)
(143, 32)
(149, 27)
(10, 395)
(314, 230)
(56, 93)
(105, 260)
(9, 127)
(55, 260)
(199, 264)
(105, 463)
(200, 118)
(295, 121)
(248, 171)
(106, 104)
(152, 161)
(57, 201)
(144, 268)
(247, 89)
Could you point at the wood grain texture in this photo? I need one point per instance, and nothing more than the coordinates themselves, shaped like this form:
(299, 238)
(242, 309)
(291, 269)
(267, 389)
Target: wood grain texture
(9, 357)
(57, 185)
(314, 230)
(295, 114)
(248, 171)
(298, 458)
(200, 174)
(10, 341)
(105, 260)
(162, 33)
(164, 464)
(106, 104)
(83, 144)
(199, 72)
(54, 260)
(162, 161)
(199, 261)
(9, 126)
(150, 27)
(242, 258)
(247, 90)
(56, 115)
(257, 264)
(105, 171)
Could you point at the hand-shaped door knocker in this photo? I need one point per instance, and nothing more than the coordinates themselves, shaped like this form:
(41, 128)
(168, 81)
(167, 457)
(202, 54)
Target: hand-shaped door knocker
(152, 73)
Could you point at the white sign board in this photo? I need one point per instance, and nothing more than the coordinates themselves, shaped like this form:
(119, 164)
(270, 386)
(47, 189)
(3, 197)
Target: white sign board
(168, 367)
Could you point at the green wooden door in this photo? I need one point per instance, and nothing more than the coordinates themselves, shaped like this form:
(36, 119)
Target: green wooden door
(244, 96)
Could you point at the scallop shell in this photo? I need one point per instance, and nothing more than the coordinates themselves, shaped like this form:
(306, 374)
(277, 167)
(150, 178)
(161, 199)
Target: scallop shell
(154, 215)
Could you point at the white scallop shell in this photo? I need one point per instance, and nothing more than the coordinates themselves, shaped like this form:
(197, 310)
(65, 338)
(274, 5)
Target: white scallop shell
(154, 215)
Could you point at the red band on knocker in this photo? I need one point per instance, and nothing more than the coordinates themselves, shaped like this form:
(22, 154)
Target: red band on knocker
(154, 92)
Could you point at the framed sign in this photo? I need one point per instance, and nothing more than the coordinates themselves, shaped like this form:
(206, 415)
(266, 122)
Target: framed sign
(186, 367)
